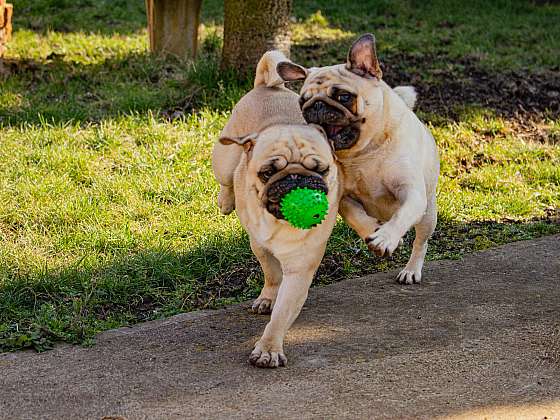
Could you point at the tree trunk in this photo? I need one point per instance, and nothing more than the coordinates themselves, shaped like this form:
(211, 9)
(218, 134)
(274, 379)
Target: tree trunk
(173, 26)
(252, 27)
(5, 24)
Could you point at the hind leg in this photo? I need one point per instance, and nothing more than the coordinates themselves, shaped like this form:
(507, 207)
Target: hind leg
(225, 159)
(226, 199)
(412, 273)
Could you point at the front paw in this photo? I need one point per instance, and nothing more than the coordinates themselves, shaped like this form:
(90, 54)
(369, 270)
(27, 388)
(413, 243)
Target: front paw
(408, 276)
(383, 241)
(412, 273)
(265, 356)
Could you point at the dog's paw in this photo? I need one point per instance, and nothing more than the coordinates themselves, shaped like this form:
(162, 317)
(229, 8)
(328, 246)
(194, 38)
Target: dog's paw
(262, 305)
(412, 273)
(267, 358)
(383, 241)
(408, 276)
(226, 200)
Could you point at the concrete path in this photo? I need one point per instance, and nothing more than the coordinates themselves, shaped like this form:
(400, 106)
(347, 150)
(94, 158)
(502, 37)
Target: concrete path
(479, 338)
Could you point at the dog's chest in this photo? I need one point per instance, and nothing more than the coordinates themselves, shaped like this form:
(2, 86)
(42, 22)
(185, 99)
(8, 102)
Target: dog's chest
(363, 181)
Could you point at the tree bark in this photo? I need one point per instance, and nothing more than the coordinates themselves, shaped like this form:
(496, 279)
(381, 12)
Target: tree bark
(252, 27)
(5, 24)
(173, 26)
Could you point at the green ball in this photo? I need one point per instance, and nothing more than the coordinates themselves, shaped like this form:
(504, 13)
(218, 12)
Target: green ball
(304, 208)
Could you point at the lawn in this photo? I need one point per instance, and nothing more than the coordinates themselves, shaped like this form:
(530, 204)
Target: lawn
(108, 212)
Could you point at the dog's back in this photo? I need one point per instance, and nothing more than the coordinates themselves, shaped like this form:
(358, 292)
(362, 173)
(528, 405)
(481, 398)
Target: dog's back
(268, 103)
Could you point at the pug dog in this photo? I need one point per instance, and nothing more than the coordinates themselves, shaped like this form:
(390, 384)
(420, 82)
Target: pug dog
(265, 150)
(388, 158)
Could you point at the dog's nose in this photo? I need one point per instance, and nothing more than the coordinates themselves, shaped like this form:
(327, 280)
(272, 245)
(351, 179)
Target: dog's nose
(319, 106)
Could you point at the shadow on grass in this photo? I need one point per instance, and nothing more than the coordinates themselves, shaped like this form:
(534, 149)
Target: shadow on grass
(59, 92)
(73, 304)
(104, 17)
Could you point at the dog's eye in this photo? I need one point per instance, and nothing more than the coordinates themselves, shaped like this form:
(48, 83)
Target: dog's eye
(301, 101)
(344, 97)
(266, 173)
(323, 171)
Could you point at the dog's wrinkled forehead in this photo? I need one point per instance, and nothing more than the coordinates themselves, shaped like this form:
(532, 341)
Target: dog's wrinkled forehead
(295, 143)
(321, 80)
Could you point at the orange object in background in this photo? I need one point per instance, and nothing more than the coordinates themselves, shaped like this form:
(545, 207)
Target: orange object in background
(6, 11)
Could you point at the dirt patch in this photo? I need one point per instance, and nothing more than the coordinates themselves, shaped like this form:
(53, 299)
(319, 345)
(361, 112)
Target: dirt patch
(520, 95)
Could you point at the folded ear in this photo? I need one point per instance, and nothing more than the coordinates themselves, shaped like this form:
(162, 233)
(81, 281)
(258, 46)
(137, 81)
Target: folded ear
(248, 142)
(289, 71)
(362, 58)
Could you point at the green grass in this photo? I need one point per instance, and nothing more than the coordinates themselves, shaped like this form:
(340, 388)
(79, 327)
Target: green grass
(506, 33)
(108, 210)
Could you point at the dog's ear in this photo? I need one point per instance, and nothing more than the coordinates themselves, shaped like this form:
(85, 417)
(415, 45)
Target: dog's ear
(289, 71)
(362, 58)
(248, 142)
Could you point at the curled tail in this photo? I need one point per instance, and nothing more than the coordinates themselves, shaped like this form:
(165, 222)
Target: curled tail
(266, 74)
(408, 95)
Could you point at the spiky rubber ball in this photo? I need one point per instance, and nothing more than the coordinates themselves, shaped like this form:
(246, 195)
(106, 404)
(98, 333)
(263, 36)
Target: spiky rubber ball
(304, 208)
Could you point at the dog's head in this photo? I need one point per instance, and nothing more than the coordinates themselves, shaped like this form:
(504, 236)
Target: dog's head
(345, 99)
(283, 157)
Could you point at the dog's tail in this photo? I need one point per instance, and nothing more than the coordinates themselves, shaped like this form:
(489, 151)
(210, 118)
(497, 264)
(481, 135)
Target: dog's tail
(408, 95)
(266, 74)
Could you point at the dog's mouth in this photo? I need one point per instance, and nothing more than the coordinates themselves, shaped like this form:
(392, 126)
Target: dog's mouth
(342, 129)
(342, 136)
(333, 130)
(278, 190)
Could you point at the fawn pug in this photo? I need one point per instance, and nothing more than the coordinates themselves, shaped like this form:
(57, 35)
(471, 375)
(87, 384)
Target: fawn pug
(265, 150)
(388, 158)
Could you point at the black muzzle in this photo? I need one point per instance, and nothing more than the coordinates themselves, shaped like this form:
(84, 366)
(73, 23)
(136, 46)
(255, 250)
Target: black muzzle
(278, 189)
(322, 113)
(342, 131)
